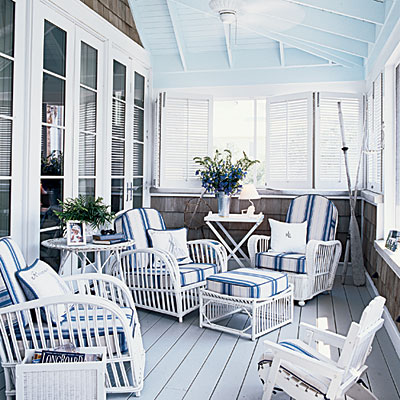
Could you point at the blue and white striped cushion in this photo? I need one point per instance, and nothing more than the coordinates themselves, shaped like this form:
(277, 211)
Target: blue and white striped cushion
(248, 283)
(90, 331)
(194, 273)
(318, 382)
(319, 212)
(288, 262)
(11, 261)
(135, 223)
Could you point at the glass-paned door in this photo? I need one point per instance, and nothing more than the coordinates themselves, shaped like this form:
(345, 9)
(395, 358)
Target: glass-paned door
(7, 21)
(53, 133)
(136, 192)
(88, 120)
(118, 136)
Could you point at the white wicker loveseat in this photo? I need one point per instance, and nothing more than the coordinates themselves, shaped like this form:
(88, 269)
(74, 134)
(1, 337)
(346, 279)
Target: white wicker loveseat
(156, 279)
(99, 311)
(313, 272)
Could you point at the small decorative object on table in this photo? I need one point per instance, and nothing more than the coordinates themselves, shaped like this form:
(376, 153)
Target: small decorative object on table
(76, 233)
(85, 209)
(393, 240)
(109, 237)
(249, 192)
(222, 177)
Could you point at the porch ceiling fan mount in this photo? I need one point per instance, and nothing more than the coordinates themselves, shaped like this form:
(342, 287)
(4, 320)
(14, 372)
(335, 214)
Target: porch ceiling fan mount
(227, 9)
(275, 15)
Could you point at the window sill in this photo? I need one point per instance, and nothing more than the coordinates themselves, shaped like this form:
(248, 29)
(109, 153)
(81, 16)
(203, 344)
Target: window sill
(391, 259)
(372, 197)
(264, 193)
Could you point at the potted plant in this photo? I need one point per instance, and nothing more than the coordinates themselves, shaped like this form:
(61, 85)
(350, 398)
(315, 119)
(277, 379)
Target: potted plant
(221, 176)
(85, 209)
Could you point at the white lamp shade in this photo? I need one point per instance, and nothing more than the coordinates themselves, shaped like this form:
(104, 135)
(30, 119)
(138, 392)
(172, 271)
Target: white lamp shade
(249, 192)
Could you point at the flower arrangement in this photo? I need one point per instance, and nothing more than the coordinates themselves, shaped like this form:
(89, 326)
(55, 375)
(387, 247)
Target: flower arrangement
(219, 174)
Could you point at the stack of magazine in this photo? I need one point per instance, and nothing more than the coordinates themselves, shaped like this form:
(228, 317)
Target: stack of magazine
(64, 354)
(109, 239)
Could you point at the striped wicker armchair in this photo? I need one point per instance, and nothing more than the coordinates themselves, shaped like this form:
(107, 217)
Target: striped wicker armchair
(98, 312)
(156, 279)
(313, 272)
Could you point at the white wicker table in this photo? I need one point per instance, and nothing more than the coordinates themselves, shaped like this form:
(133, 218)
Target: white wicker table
(214, 219)
(108, 250)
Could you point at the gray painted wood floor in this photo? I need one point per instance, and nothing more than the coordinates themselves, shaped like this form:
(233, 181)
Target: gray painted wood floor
(186, 362)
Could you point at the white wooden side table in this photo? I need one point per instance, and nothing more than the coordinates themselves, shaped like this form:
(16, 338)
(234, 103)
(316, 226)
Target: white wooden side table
(215, 221)
(109, 250)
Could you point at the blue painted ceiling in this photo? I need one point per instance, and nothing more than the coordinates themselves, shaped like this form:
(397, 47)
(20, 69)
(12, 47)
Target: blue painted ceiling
(289, 41)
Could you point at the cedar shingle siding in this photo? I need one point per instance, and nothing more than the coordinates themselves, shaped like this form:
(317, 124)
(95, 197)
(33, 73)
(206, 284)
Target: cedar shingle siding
(118, 13)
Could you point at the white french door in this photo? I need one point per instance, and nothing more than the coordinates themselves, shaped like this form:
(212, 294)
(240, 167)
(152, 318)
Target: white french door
(88, 123)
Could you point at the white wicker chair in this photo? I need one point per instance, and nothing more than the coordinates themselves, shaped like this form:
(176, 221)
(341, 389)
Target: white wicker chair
(303, 373)
(99, 312)
(157, 282)
(313, 272)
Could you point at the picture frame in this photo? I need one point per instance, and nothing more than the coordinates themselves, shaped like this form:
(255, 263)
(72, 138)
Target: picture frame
(393, 240)
(76, 233)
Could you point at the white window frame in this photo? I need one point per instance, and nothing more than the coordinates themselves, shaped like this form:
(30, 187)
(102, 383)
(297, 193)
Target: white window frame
(306, 184)
(320, 184)
(191, 183)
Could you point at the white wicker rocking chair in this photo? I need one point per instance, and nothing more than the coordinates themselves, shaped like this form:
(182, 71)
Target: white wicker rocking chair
(313, 272)
(157, 282)
(99, 312)
(296, 367)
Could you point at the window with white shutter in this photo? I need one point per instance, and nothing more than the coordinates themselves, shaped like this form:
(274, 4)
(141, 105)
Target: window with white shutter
(330, 172)
(289, 141)
(185, 134)
(374, 153)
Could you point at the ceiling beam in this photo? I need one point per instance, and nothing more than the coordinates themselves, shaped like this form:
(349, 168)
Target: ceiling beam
(338, 57)
(364, 10)
(173, 13)
(329, 40)
(332, 23)
(227, 33)
(282, 54)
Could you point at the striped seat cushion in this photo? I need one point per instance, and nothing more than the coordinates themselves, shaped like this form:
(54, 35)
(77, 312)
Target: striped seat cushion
(86, 334)
(288, 262)
(248, 283)
(11, 261)
(319, 212)
(135, 223)
(194, 273)
(318, 382)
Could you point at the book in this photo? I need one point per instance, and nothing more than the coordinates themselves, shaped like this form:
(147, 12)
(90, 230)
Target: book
(49, 356)
(112, 241)
(109, 237)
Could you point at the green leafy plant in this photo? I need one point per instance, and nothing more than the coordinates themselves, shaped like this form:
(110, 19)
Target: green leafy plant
(220, 174)
(86, 209)
(52, 164)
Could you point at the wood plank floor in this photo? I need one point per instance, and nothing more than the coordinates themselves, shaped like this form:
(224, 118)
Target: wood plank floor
(186, 362)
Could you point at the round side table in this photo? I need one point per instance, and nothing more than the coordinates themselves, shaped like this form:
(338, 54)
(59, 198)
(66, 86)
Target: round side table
(110, 251)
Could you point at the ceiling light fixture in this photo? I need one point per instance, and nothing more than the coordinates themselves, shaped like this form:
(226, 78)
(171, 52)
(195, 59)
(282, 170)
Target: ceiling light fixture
(227, 9)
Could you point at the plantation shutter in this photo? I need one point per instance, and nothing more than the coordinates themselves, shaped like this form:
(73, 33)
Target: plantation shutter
(185, 134)
(330, 172)
(289, 141)
(375, 136)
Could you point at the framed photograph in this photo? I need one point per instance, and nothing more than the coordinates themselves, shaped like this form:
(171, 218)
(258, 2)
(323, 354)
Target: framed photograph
(392, 240)
(76, 233)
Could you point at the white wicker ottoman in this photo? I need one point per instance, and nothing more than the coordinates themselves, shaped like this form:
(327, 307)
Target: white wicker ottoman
(265, 296)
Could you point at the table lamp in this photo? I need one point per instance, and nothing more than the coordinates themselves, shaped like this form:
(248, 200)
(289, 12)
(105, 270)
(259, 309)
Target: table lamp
(249, 192)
